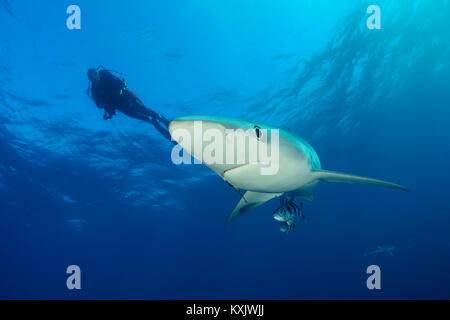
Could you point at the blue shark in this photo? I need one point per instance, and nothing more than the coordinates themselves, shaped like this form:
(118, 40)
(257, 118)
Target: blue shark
(299, 165)
(380, 250)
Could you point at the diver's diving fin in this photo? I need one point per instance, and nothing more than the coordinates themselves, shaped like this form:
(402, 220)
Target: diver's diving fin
(331, 176)
(249, 201)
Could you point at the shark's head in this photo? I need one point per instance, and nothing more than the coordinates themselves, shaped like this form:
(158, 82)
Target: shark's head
(249, 155)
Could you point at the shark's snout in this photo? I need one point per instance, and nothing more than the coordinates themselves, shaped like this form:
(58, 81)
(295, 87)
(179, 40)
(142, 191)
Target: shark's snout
(175, 125)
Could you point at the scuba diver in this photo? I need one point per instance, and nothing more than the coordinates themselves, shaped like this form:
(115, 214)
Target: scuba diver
(111, 93)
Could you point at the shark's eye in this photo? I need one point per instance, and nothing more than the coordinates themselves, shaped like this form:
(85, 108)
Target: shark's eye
(258, 132)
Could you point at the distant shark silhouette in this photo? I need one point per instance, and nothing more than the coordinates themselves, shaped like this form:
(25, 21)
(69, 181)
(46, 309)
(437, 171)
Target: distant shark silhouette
(380, 250)
(299, 166)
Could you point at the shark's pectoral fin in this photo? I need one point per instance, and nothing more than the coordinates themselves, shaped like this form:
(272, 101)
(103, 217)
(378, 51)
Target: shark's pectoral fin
(249, 201)
(331, 176)
(237, 189)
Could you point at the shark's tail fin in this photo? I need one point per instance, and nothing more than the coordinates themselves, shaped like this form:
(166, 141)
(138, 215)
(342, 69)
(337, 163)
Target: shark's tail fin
(331, 176)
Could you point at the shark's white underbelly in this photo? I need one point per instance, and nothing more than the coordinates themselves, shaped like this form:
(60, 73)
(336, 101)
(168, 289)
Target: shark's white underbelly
(294, 174)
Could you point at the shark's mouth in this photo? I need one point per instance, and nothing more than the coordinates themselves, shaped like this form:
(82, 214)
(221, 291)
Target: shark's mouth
(231, 169)
(231, 185)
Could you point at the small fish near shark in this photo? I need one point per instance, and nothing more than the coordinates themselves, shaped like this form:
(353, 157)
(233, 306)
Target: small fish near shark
(299, 168)
(288, 214)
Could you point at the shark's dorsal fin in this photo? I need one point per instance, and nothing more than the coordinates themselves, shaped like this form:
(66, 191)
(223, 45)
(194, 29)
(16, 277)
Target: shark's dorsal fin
(249, 201)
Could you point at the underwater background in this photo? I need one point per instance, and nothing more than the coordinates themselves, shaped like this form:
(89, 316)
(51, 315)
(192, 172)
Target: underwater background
(105, 195)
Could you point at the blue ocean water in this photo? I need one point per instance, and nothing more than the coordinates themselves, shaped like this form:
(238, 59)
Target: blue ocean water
(104, 195)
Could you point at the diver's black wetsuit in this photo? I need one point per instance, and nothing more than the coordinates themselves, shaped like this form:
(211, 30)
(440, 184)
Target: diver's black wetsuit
(111, 93)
